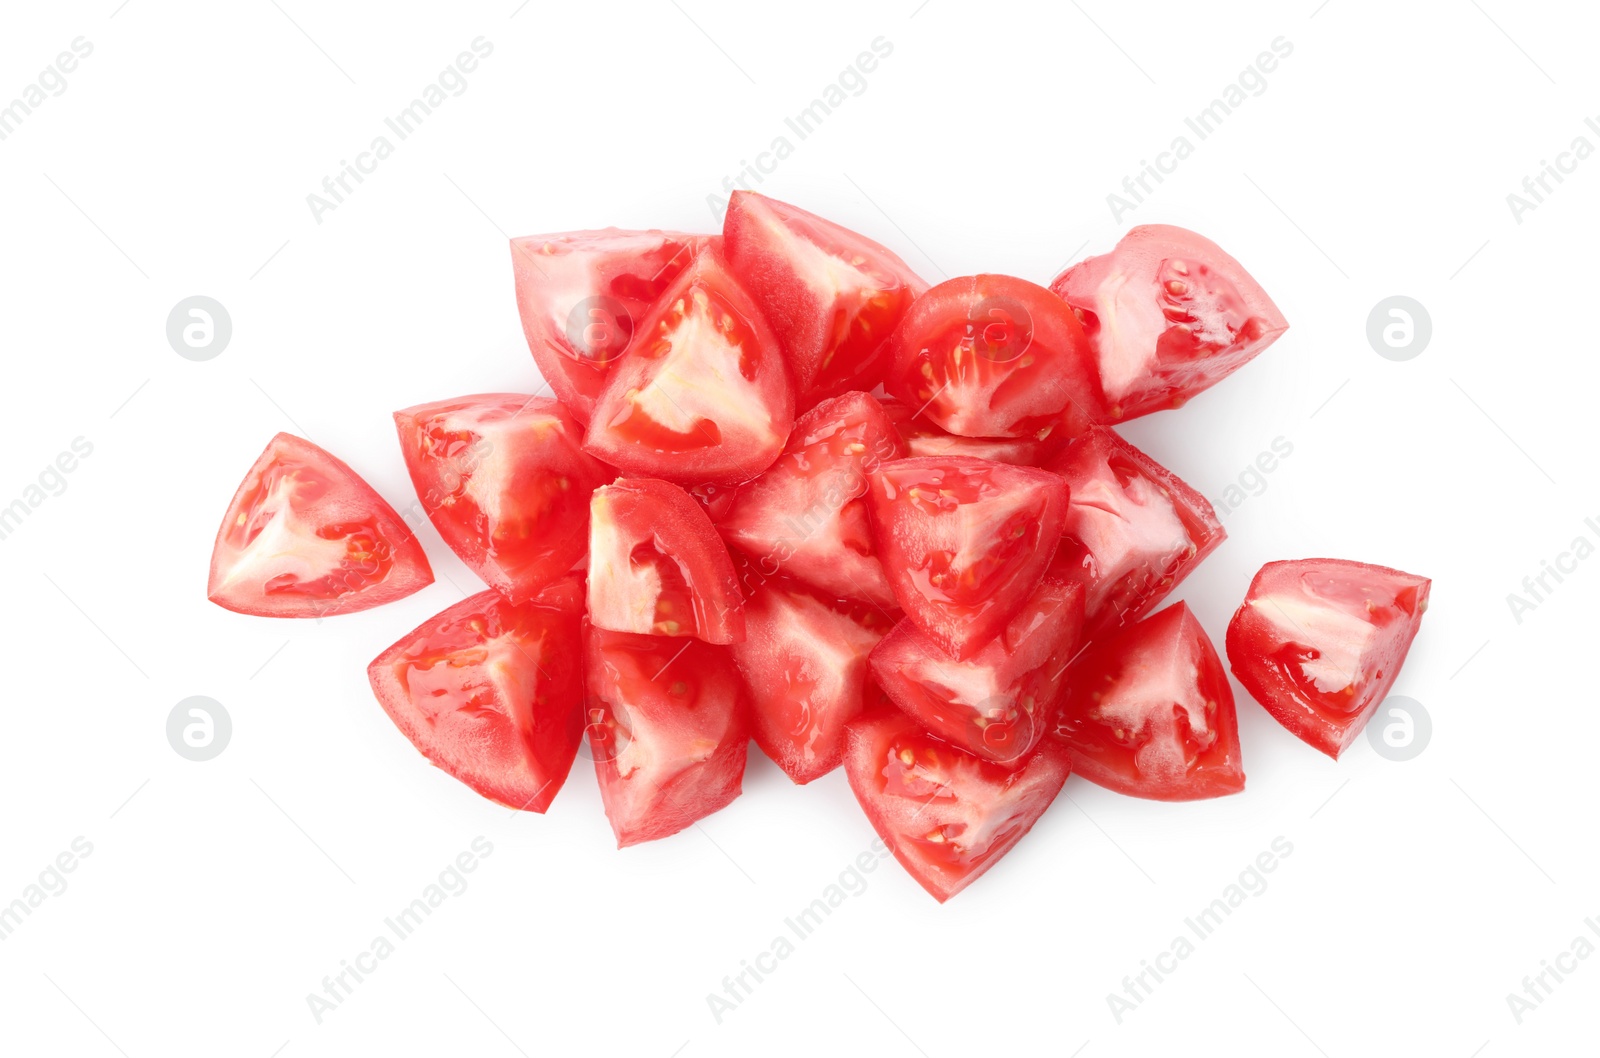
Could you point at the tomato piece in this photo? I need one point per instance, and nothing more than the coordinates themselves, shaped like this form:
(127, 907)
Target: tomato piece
(998, 704)
(703, 393)
(925, 438)
(947, 817)
(582, 295)
(804, 662)
(667, 729)
(505, 482)
(305, 536)
(994, 356)
(491, 691)
(964, 542)
(1134, 529)
(1148, 712)
(1319, 642)
(833, 297)
(1169, 315)
(807, 514)
(658, 567)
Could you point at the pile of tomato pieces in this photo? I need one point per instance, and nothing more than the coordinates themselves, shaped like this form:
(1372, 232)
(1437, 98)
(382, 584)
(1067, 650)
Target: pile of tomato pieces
(789, 492)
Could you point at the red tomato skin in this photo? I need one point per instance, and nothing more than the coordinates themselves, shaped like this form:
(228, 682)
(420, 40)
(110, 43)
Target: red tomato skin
(1169, 315)
(995, 356)
(1135, 593)
(393, 567)
(516, 753)
(834, 340)
(1099, 680)
(581, 295)
(903, 528)
(632, 513)
(925, 438)
(1261, 657)
(707, 323)
(907, 801)
(1016, 676)
(518, 517)
(668, 730)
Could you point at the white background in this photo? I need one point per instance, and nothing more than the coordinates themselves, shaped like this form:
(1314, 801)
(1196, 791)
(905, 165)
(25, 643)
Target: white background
(1376, 162)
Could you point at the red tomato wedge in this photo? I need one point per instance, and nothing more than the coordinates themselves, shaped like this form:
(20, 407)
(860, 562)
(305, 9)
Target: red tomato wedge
(702, 394)
(998, 704)
(924, 438)
(304, 536)
(1148, 712)
(667, 730)
(582, 295)
(807, 515)
(994, 356)
(1319, 642)
(804, 660)
(505, 482)
(492, 692)
(658, 567)
(947, 817)
(1169, 315)
(964, 542)
(1134, 530)
(833, 297)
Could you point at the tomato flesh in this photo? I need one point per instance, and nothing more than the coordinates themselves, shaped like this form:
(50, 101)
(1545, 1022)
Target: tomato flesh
(948, 817)
(667, 729)
(505, 482)
(1319, 642)
(305, 536)
(1169, 315)
(925, 438)
(997, 704)
(1148, 712)
(491, 692)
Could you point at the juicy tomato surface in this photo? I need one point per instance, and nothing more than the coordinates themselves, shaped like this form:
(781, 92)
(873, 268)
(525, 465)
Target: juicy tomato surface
(305, 536)
(833, 297)
(667, 728)
(1169, 315)
(582, 295)
(806, 516)
(1134, 530)
(994, 356)
(964, 542)
(947, 816)
(804, 662)
(658, 567)
(1148, 712)
(505, 481)
(492, 692)
(1319, 642)
(925, 438)
(703, 394)
(999, 703)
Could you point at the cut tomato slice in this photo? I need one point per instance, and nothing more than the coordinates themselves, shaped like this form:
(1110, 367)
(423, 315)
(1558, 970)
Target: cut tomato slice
(1169, 315)
(833, 297)
(667, 730)
(998, 704)
(505, 482)
(492, 692)
(925, 438)
(703, 393)
(807, 515)
(947, 817)
(804, 660)
(1319, 642)
(964, 542)
(582, 295)
(1148, 712)
(1134, 530)
(305, 536)
(994, 356)
(658, 567)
